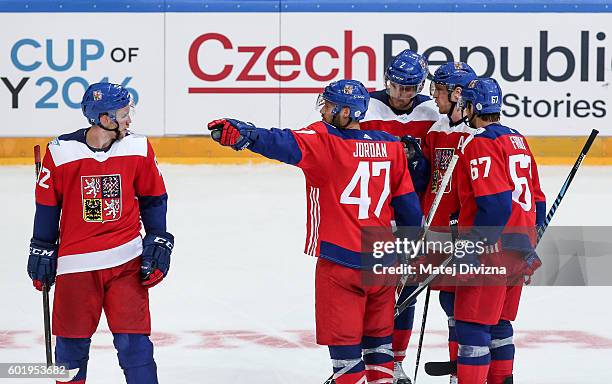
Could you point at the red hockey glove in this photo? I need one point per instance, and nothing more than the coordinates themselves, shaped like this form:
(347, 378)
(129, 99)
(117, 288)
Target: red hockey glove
(223, 132)
(233, 133)
(530, 264)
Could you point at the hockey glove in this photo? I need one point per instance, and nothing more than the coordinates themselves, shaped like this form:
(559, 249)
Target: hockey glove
(156, 250)
(466, 256)
(411, 147)
(232, 133)
(42, 263)
(417, 163)
(531, 263)
(417, 266)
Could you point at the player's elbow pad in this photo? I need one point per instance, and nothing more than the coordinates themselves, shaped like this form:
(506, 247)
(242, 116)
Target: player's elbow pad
(277, 144)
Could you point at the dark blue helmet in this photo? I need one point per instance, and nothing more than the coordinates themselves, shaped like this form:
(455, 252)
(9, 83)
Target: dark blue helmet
(407, 68)
(485, 95)
(347, 93)
(103, 98)
(453, 74)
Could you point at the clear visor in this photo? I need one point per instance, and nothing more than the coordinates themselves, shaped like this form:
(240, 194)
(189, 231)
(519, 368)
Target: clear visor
(401, 92)
(437, 88)
(126, 114)
(322, 104)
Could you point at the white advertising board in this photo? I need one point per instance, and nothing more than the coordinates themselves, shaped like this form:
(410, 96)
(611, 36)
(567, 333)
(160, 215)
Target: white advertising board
(554, 69)
(266, 67)
(48, 59)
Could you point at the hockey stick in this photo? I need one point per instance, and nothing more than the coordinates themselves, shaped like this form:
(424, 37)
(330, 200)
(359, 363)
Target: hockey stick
(434, 207)
(453, 221)
(421, 335)
(399, 308)
(568, 181)
(428, 220)
(445, 180)
(45, 288)
(443, 368)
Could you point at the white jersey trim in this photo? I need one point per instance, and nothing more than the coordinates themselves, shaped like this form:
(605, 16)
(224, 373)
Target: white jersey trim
(67, 151)
(443, 125)
(315, 218)
(93, 261)
(377, 110)
(470, 138)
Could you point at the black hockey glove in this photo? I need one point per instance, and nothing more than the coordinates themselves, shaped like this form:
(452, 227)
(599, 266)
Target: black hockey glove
(417, 163)
(42, 263)
(156, 250)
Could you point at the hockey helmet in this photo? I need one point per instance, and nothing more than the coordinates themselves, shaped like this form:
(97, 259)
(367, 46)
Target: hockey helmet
(452, 74)
(484, 94)
(346, 93)
(102, 98)
(407, 68)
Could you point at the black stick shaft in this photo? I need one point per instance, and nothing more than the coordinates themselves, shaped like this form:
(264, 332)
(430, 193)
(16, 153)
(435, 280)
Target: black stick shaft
(568, 181)
(421, 335)
(47, 320)
(45, 288)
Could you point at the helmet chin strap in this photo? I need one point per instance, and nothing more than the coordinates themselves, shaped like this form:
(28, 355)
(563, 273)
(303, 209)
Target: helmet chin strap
(470, 121)
(116, 129)
(452, 109)
(336, 124)
(463, 118)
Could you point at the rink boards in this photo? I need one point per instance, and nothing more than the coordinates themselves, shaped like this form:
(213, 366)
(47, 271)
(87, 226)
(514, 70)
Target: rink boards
(203, 150)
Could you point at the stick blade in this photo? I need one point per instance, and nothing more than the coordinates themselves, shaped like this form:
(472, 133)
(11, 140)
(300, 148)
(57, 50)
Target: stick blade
(441, 368)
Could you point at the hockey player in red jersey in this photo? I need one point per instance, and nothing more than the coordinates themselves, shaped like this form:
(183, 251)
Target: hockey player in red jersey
(354, 179)
(102, 181)
(401, 110)
(499, 192)
(443, 140)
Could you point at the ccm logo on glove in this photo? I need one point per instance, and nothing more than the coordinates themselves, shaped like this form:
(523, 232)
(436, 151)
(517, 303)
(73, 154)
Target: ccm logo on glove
(41, 252)
(161, 240)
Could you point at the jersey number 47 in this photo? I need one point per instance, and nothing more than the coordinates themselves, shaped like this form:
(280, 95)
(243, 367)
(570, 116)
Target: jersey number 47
(362, 176)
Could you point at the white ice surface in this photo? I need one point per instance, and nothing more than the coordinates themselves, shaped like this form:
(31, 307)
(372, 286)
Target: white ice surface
(238, 267)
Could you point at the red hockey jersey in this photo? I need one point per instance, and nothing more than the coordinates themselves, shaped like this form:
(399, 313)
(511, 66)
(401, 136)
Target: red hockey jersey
(100, 195)
(496, 164)
(441, 143)
(353, 179)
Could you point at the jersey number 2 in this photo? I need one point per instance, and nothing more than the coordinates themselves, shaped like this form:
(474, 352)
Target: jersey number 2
(43, 176)
(362, 176)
